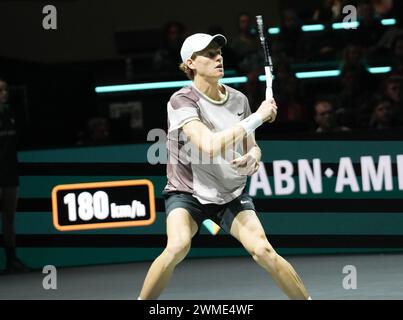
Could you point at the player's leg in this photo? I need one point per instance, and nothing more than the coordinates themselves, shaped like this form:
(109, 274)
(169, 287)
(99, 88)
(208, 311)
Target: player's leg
(247, 228)
(180, 229)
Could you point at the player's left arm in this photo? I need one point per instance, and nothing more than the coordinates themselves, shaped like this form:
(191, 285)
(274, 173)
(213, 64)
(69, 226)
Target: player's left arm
(248, 163)
(252, 147)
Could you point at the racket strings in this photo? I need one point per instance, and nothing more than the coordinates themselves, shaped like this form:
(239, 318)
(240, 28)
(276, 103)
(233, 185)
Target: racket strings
(262, 37)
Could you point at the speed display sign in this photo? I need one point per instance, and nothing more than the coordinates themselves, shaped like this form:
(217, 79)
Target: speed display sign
(98, 205)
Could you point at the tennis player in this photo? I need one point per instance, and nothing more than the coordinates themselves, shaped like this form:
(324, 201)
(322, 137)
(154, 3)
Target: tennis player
(217, 123)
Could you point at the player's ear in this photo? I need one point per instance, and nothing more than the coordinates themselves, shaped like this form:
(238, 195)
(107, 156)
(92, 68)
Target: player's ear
(190, 63)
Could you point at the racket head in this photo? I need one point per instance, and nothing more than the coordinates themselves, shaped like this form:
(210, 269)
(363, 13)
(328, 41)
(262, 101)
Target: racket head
(263, 41)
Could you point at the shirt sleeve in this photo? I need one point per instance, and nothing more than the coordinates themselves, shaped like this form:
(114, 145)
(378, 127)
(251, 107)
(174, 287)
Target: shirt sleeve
(181, 110)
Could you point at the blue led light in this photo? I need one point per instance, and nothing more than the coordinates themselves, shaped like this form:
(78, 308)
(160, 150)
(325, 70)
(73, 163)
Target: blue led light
(234, 80)
(388, 22)
(375, 70)
(160, 85)
(345, 25)
(313, 27)
(274, 30)
(317, 74)
(228, 80)
(142, 86)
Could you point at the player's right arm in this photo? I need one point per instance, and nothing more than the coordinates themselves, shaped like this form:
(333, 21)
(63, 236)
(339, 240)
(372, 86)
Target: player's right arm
(213, 143)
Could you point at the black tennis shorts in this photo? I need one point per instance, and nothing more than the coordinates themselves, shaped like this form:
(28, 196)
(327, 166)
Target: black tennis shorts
(221, 214)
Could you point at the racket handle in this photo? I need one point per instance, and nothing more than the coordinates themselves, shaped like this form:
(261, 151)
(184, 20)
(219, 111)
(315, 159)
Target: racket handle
(269, 89)
(269, 83)
(269, 93)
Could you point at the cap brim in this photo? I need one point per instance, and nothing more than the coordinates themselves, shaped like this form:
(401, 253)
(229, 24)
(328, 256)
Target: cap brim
(220, 40)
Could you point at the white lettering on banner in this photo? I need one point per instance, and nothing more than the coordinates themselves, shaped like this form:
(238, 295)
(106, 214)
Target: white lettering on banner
(306, 175)
(371, 176)
(376, 176)
(400, 171)
(285, 176)
(260, 181)
(346, 176)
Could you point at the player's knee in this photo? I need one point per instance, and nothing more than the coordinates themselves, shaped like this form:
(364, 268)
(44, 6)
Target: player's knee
(178, 250)
(267, 257)
(262, 251)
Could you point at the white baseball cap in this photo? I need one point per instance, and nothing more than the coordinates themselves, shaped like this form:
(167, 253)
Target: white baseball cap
(198, 42)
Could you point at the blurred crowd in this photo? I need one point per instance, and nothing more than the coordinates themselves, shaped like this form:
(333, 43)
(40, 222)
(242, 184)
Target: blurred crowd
(356, 99)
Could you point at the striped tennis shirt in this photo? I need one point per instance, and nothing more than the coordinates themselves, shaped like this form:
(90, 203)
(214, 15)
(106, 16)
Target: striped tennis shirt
(215, 181)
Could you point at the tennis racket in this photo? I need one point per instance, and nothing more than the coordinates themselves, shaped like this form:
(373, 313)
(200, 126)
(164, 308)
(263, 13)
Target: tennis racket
(268, 64)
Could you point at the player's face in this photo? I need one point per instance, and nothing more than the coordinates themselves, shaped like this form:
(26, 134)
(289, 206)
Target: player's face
(3, 92)
(209, 62)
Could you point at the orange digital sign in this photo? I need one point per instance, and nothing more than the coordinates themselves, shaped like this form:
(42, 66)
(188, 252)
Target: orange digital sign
(101, 205)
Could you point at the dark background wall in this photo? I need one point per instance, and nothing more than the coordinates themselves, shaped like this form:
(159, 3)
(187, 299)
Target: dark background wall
(58, 69)
(86, 27)
(53, 73)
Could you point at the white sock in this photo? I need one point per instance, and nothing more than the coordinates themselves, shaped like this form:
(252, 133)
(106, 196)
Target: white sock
(309, 298)
(139, 298)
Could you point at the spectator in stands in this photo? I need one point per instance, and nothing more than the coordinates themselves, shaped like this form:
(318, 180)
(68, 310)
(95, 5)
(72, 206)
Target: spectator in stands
(384, 8)
(352, 97)
(384, 116)
(384, 47)
(389, 91)
(288, 93)
(325, 45)
(9, 181)
(370, 29)
(97, 132)
(248, 56)
(289, 44)
(353, 59)
(325, 118)
(329, 11)
(246, 46)
(397, 65)
(393, 92)
(166, 58)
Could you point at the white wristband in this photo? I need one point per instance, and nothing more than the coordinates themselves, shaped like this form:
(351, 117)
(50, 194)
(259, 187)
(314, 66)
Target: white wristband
(251, 123)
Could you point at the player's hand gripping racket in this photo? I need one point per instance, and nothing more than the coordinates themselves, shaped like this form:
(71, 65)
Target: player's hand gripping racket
(268, 68)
